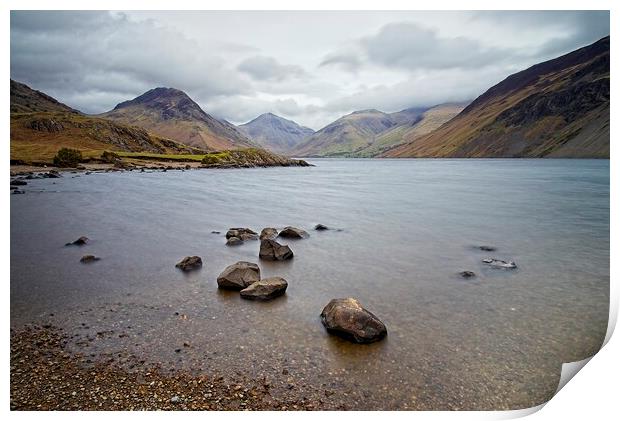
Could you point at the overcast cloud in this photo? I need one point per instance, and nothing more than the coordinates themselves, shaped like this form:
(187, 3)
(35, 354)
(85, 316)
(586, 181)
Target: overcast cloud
(311, 67)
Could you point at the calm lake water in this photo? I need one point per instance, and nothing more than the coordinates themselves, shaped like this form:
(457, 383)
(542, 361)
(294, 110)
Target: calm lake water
(408, 227)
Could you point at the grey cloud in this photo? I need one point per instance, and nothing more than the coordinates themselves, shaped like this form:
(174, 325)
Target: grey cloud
(350, 62)
(268, 68)
(72, 54)
(410, 46)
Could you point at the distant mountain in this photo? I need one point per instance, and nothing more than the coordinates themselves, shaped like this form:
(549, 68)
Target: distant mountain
(558, 108)
(346, 135)
(418, 124)
(275, 133)
(40, 126)
(27, 100)
(173, 114)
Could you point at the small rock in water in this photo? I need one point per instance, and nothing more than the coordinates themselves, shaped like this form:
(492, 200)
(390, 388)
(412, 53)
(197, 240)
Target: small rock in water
(496, 263)
(269, 234)
(265, 289)
(321, 227)
(242, 233)
(272, 250)
(234, 241)
(487, 248)
(239, 276)
(215, 232)
(189, 263)
(347, 318)
(79, 242)
(89, 258)
(18, 192)
(292, 232)
(467, 274)
(19, 183)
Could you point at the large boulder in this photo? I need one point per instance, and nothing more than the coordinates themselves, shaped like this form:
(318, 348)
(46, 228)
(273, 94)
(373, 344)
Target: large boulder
(265, 289)
(347, 318)
(239, 276)
(292, 232)
(268, 233)
(242, 233)
(190, 263)
(272, 250)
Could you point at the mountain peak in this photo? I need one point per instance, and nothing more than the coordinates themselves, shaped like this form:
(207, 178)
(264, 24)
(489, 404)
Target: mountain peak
(275, 133)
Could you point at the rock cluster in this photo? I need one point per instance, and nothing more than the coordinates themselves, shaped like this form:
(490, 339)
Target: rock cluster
(272, 250)
(236, 236)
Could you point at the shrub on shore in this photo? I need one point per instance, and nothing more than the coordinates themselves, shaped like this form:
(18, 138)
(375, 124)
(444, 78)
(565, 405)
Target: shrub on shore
(67, 158)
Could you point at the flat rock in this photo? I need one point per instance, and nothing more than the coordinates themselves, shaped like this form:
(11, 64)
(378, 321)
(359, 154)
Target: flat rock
(272, 250)
(234, 241)
(265, 289)
(347, 318)
(292, 232)
(487, 248)
(79, 242)
(242, 233)
(89, 258)
(501, 264)
(268, 233)
(190, 263)
(239, 276)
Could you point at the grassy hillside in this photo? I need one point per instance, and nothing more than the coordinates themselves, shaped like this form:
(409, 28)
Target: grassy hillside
(38, 136)
(27, 100)
(559, 108)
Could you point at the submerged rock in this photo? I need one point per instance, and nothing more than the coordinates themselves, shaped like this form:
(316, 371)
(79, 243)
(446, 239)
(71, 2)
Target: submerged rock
(292, 232)
(189, 263)
(242, 233)
(79, 242)
(347, 318)
(19, 183)
(496, 263)
(487, 248)
(89, 258)
(272, 250)
(234, 241)
(321, 227)
(265, 289)
(467, 274)
(239, 276)
(268, 233)
(17, 191)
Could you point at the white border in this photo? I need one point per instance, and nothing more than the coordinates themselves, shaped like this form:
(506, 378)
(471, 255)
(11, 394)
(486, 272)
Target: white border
(592, 394)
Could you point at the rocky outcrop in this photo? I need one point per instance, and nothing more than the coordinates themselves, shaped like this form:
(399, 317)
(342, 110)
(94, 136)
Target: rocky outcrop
(190, 263)
(268, 233)
(239, 276)
(265, 289)
(292, 232)
(272, 250)
(347, 318)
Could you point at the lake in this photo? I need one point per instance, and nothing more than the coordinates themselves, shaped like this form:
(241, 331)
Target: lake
(402, 232)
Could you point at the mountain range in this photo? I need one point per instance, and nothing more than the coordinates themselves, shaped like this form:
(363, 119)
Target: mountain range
(558, 108)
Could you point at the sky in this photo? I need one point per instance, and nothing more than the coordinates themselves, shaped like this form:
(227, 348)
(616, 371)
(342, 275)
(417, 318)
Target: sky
(310, 67)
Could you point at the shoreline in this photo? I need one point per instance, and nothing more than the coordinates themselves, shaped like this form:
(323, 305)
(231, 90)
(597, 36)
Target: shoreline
(45, 375)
